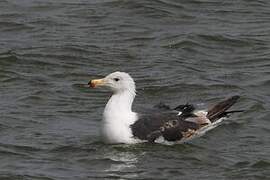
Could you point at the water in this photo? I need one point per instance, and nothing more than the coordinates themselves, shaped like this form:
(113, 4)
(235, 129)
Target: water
(198, 51)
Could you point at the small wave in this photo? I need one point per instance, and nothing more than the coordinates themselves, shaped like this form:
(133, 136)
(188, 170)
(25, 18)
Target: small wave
(23, 148)
(8, 58)
(225, 40)
(12, 176)
(261, 164)
(186, 43)
(13, 26)
(18, 150)
(99, 161)
(173, 4)
(74, 149)
(7, 152)
(242, 164)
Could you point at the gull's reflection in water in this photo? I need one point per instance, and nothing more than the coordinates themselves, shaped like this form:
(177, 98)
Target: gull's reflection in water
(125, 163)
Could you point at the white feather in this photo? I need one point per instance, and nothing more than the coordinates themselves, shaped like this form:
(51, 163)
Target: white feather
(118, 114)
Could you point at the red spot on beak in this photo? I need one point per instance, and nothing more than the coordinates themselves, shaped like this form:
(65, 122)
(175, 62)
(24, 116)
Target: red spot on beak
(91, 84)
(95, 82)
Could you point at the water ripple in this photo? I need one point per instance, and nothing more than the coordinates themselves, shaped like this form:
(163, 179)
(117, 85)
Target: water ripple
(190, 51)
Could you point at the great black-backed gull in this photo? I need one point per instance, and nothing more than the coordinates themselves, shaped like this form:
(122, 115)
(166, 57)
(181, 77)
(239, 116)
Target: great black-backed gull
(121, 125)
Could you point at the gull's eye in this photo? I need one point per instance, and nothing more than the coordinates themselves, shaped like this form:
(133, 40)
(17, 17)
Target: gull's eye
(116, 79)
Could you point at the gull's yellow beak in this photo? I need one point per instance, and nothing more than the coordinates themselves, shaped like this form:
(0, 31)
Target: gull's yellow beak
(96, 82)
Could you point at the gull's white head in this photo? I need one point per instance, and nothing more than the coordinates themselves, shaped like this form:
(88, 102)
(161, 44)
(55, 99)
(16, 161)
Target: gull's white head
(118, 82)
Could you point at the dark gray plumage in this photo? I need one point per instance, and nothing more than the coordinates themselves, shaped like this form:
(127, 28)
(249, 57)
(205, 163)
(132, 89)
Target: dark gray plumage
(173, 126)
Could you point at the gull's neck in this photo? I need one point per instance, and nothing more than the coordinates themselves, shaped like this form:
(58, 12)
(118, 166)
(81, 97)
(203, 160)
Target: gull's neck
(118, 117)
(118, 106)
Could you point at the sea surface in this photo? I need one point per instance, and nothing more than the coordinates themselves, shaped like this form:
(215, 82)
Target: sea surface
(196, 51)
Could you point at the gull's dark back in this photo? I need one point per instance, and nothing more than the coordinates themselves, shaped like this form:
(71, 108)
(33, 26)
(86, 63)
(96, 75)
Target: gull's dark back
(163, 121)
(181, 121)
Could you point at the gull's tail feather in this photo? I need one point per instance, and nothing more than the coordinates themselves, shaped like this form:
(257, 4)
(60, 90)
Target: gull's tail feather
(219, 110)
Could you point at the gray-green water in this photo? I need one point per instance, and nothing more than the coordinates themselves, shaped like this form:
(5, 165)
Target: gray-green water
(198, 51)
